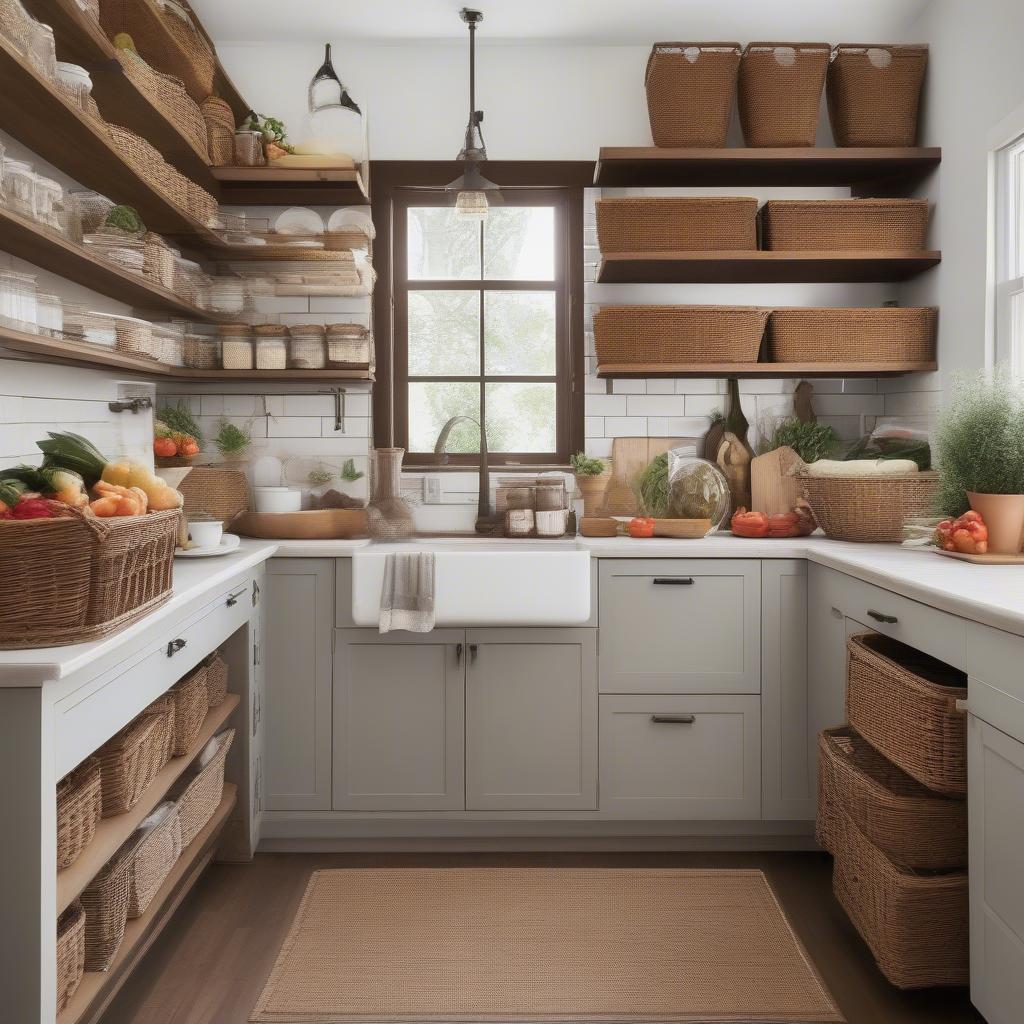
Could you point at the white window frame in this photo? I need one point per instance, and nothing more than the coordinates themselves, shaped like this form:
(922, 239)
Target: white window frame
(1008, 250)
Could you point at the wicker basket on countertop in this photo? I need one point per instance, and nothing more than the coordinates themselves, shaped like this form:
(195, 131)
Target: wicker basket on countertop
(676, 223)
(883, 334)
(78, 811)
(794, 225)
(70, 952)
(779, 92)
(190, 707)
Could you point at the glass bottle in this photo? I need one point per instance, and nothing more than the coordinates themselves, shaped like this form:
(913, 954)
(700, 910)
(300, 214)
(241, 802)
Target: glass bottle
(335, 119)
(389, 516)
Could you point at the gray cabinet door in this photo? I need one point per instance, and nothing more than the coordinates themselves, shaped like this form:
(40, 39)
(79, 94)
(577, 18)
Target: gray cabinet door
(399, 721)
(298, 621)
(531, 719)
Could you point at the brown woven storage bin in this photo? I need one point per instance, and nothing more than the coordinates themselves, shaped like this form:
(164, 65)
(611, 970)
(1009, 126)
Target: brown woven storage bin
(190, 708)
(90, 577)
(202, 794)
(690, 90)
(130, 760)
(164, 709)
(903, 703)
(152, 855)
(105, 900)
(885, 334)
(779, 92)
(874, 92)
(222, 493)
(868, 509)
(216, 679)
(678, 334)
(842, 224)
(911, 825)
(220, 130)
(78, 811)
(649, 224)
(158, 260)
(915, 924)
(70, 952)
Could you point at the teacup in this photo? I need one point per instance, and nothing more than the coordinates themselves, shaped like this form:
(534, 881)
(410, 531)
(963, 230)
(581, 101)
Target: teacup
(205, 533)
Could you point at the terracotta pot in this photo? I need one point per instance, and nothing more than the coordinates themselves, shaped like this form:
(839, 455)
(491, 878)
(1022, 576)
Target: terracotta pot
(1004, 517)
(592, 488)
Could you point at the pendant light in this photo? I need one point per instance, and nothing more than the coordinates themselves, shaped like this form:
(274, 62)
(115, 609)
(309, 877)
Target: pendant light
(474, 194)
(333, 111)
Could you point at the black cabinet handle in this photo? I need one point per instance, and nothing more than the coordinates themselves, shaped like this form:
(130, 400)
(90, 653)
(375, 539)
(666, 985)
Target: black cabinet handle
(458, 654)
(673, 719)
(174, 646)
(233, 598)
(882, 617)
(673, 581)
(472, 652)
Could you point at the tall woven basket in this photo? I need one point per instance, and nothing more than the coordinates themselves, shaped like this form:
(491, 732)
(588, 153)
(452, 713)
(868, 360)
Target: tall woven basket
(779, 92)
(690, 91)
(220, 130)
(874, 93)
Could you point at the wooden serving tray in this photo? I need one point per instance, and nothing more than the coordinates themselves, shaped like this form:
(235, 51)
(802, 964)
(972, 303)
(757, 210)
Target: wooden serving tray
(983, 559)
(317, 524)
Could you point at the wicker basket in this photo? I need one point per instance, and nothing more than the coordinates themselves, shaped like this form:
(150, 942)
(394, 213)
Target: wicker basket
(779, 92)
(842, 224)
(869, 509)
(916, 925)
(910, 824)
(220, 130)
(222, 493)
(649, 224)
(90, 577)
(105, 900)
(70, 952)
(216, 680)
(690, 91)
(153, 853)
(158, 260)
(130, 760)
(78, 811)
(903, 703)
(678, 334)
(202, 794)
(885, 334)
(190, 708)
(874, 92)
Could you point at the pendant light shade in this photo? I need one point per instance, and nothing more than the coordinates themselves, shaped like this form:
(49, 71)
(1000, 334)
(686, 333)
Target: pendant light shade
(336, 122)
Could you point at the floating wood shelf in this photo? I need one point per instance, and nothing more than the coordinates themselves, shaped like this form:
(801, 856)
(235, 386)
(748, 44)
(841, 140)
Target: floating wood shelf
(764, 267)
(885, 168)
(618, 370)
(264, 375)
(97, 989)
(112, 832)
(296, 186)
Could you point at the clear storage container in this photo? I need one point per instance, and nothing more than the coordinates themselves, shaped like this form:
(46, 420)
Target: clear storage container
(83, 324)
(348, 345)
(236, 346)
(271, 347)
(228, 294)
(249, 149)
(49, 314)
(168, 344)
(307, 347)
(87, 212)
(48, 202)
(190, 282)
(18, 303)
(20, 187)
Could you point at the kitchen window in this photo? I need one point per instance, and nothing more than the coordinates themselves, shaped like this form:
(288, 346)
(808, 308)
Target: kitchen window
(483, 328)
(1009, 256)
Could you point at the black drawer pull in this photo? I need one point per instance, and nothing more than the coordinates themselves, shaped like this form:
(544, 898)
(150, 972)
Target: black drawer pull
(673, 581)
(174, 646)
(882, 617)
(673, 719)
(233, 598)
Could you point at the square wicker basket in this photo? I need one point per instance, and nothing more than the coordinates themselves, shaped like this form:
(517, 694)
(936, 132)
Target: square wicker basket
(677, 224)
(866, 335)
(889, 225)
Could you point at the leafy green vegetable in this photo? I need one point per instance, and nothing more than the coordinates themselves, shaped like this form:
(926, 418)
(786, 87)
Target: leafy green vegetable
(11, 490)
(271, 128)
(652, 491)
(32, 478)
(180, 419)
(811, 441)
(126, 218)
(231, 439)
(74, 452)
(583, 465)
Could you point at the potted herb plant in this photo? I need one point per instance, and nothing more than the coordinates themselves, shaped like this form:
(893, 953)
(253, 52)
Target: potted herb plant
(980, 456)
(592, 480)
(232, 441)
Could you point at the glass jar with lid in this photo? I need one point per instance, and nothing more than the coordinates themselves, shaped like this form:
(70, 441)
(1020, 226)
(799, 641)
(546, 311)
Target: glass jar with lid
(249, 149)
(200, 351)
(307, 347)
(348, 345)
(271, 346)
(18, 308)
(20, 187)
(48, 200)
(236, 346)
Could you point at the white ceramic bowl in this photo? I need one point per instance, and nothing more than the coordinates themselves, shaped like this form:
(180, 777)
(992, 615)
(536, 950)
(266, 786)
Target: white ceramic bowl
(278, 499)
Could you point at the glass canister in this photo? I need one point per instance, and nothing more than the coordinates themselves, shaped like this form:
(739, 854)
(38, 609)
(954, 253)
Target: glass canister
(236, 346)
(18, 304)
(20, 187)
(271, 346)
(49, 314)
(249, 149)
(348, 345)
(49, 197)
(307, 347)
(228, 294)
(389, 516)
(87, 211)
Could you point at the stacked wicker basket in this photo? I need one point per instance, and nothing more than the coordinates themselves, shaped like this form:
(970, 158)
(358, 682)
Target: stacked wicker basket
(891, 810)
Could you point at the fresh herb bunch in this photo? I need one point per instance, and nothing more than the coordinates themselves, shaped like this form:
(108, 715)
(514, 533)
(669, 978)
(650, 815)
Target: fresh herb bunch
(180, 419)
(349, 473)
(232, 439)
(652, 488)
(125, 218)
(811, 441)
(979, 442)
(584, 465)
(319, 476)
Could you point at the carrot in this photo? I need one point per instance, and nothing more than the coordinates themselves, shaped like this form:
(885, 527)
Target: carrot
(104, 507)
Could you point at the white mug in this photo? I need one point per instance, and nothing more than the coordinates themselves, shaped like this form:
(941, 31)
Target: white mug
(205, 533)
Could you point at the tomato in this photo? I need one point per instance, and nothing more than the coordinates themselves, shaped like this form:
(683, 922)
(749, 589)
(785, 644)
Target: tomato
(968, 534)
(164, 447)
(188, 449)
(749, 524)
(641, 527)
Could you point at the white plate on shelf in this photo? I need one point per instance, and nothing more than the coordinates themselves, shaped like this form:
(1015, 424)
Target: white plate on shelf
(351, 220)
(299, 221)
(228, 543)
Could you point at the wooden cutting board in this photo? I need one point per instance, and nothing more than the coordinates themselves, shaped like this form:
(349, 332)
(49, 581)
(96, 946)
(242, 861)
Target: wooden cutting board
(630, 457)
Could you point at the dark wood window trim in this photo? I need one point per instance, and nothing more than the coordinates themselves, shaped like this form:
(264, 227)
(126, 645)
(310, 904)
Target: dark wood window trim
(391, 183)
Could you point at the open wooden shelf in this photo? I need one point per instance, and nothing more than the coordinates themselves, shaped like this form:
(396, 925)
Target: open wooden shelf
(97, 989)
(112, 832)
(295, 186)
(258, 375)
(763, 267)
(618, 370)
(885, 168)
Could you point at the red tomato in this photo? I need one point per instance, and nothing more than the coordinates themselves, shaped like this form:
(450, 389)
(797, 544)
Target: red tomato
(641, 526)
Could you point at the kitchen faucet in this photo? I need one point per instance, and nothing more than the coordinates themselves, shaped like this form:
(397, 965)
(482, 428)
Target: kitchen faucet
(486, 522)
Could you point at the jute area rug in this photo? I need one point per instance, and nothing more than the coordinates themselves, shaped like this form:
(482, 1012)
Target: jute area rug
(542, 945)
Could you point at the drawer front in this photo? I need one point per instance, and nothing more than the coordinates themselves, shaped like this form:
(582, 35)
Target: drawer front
(935, 632)
(680, 626)
(686, 757)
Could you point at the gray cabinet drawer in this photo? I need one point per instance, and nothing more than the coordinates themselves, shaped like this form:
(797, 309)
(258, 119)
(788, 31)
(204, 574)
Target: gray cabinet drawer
(680, 626)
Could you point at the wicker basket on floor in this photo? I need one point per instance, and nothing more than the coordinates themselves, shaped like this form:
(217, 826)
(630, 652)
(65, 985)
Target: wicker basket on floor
(911, 825)
(903, 703)
(105, 900)
(70, 952)
(885, 334)
(216, 680)
(202, 794)
(130, 760)
(220, 130)
(153, 854)
(793, 225)
(779, 92)
(190, 708)
(690, 90)
(665, 224)
(78, 811)
(874, 93)
(915, 924)
(678, 334)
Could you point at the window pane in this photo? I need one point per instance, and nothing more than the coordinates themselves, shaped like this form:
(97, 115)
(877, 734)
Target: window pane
(519, 243)
(444, 334)
(521, 417)
(519, 333)
(431, 405)
(442, 247)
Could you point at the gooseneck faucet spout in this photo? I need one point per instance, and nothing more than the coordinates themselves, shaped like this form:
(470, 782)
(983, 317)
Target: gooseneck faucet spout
(485, 522)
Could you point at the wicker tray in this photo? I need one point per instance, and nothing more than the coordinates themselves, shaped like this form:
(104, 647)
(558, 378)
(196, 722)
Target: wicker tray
(70, 952)
(153, 853)
(903, 703)
(890, 225)
(678, 334)
(667, 224)
(915, 924)
(190, 707)
(912, 826)
(866, 335)
(105, 900)
(78, 811)
(779, 92)
(202, 794)
(216, 680)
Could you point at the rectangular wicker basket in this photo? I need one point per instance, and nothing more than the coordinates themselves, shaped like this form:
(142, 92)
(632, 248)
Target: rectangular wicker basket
(916, 925)
(780, 92)
(903, 703)
(70, 952)
(678, 334)
(106, 911)
(130, 760)
(78, 811)
(153, 853)
(201, 795)
(216, 679)
(866, 335)
(795, 225)
(190, 707)
(677, 223)
(911, 825)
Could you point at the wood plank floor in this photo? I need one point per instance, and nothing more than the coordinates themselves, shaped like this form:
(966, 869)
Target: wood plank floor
(211, 963)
